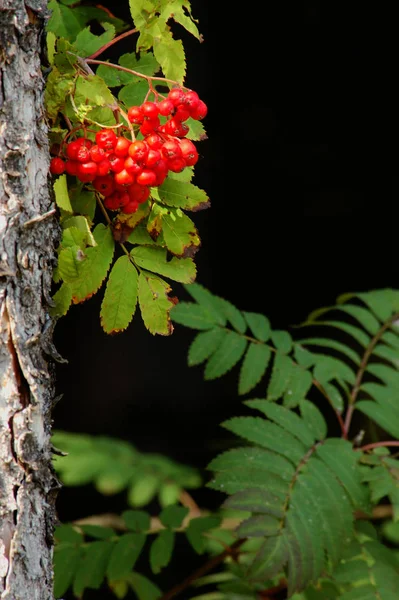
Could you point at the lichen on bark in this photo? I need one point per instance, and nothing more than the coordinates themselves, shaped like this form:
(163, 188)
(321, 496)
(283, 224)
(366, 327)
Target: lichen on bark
(29, 233)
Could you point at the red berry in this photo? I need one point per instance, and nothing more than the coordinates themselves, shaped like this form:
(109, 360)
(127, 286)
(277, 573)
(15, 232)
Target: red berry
(153, 140)
(131, 207)
(138, 150)
(146, 177)
(103, 167)
(96, 153)
(153, 157)
(132, 166)
(200, 111)
(83, 154)
(149, 125)
(171, 149)
(116, 164)
(104, 185)
(176, 165)
(122, 147)
(72, 149)
(191, 100)
(57, 166)
(138, 193)
(135, 114)
(150, 110)
(176, 96)
(189, 152)
(182, 113)
(176, 128)
(86, 171)
(106, 139)
(124, 178)
(166, 107)
(71, 166)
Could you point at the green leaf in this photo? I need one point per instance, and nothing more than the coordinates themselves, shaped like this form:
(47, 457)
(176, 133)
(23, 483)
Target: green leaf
(92, 567)
(169, 52)
(256, 458)
(259, 526)
(270, 559)
(95, 267)
(172, 516)
(298, 386)
(66, 562)
(180, 234)
(208, 301)
(381, 302)
(286, 418)
(62, 22)
(145, 64)
(204, 345)
(80, 222)
(61, 194)
(282, 341)
(384, 416)
(137, 520)
(73, 237)
(233, 315)
(97, 531)
(328, 368)
(259, 325)
(313, 418)
(68, 533)
(226, 355)
(183, 195)
(253, 367)
(362, 315)
(193, 315)
(83, 203)
(196, 530)
(86, 43)
(120, 298)
(153, 258)
(124, 555)
(161, 550)
(143, 490)
(143, 587)
(133, 94)
(63, 300)
(280, 376)
(155, 304)
(70, 263)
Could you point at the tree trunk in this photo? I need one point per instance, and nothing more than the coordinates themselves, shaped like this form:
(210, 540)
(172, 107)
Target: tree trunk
(28, 234)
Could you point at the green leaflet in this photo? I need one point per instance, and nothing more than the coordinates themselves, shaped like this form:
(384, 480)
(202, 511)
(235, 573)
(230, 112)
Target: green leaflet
(143, 587)
(95, 266)
(259, 325)
(183, 195)
(286, 419)
(197, 528)
(204, 345)
(161, 550)
(362, 315)
(90, 573)
(154, 258)
(124, 555)
(203, 296)
(172, 516)
(120, 298)
(233, 315)
(282, 340)
(384, 416)
(253, 367)
(86, 43)
(61, 194)
(226, 355)
(62, 299)
(193, 315)
(333, 345)
(155, 304)
(66, 561)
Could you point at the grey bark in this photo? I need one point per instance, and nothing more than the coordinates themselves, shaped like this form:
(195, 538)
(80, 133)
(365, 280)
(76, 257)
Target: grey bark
(28, 235)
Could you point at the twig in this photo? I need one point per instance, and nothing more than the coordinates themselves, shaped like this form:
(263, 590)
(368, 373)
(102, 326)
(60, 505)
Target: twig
(112, 42)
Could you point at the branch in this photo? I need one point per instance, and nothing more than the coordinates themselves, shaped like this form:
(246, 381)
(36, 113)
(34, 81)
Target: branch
(378, 445)
(112, 42)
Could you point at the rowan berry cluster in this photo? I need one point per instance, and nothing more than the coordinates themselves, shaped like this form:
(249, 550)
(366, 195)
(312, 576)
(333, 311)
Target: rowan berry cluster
(122, 170)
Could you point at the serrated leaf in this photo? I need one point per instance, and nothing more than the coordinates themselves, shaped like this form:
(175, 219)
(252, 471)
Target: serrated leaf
(68, 533)
(362, 315)
(259, 325)
(95, 266)
(145, 63)
(62, 22)
(80, 222)
(286, 418)
(253, 367)
(196, 529)
(169, 52)
(313, 418)
(208, 300)
(83, 203)
(155, 304)
(180, 234)
(381, 302)
(120, 298)
(92, 567)
(333, 345)
(70, 263)
(259, 526)
(384, 416)
(133, 94)
(298, 386)
(161, 550)
(193, 315)
(269, 560)
(280, 376)
(256, 458)
(73, 237)
(86, 43)
(328, 368)
(61, 194)
(233, 315)
(282, 340)
(226, 355)
(204, 345)
(153, 258)
(124, 555)
(183, 195)
(172, 516)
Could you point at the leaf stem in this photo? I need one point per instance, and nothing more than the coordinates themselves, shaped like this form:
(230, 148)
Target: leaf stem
(362, 368)
(378, 445)
(112, 42)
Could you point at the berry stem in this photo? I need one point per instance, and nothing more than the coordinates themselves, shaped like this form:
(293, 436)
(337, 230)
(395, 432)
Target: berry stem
(112, 42)
(149, 78)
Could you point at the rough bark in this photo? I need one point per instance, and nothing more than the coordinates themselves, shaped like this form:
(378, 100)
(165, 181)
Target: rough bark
(28, 235)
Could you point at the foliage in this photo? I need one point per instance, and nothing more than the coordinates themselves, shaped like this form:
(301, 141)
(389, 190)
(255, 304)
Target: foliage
(302, 490)
(310, 487)
(128, 254)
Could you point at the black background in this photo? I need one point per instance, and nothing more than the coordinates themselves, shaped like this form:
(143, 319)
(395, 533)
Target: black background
(300, 166)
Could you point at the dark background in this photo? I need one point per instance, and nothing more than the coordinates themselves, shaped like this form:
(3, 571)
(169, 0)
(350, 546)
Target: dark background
(300, 168)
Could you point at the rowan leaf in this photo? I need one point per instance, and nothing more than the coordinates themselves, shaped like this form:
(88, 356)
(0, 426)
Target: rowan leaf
(86, 43)
(155, 304)
(183, 195)
(120, 298)
(161, 550)
(124, 555)
(154, 258)
(61, 194)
